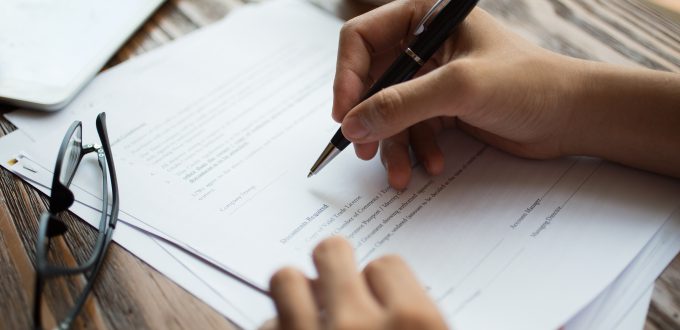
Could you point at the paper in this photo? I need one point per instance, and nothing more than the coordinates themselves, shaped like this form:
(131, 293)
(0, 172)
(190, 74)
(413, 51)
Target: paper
(637, 314)
(233, 299)
(242, 305)
(634, 282)
(217, 158)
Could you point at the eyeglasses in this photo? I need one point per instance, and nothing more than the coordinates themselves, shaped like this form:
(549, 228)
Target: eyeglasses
(70, 155)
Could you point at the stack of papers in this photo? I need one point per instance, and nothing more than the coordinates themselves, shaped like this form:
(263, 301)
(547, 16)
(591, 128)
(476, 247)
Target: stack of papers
(213, 136)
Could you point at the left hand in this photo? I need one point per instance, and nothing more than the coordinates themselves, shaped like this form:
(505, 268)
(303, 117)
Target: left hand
(385, 295)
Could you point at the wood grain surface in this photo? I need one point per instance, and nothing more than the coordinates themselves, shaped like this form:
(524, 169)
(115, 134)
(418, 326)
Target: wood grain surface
(131, 295)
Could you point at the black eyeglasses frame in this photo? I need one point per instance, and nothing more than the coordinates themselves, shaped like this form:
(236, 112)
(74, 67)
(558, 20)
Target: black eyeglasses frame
(61, 198)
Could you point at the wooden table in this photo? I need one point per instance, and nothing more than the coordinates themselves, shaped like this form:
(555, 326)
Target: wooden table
(130, 295)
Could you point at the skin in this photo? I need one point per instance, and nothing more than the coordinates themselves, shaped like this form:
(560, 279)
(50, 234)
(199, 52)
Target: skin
(504, 91)
(495, 86)
(385, 295)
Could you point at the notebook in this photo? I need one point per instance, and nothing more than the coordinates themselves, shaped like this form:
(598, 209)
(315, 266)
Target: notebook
(49, 49)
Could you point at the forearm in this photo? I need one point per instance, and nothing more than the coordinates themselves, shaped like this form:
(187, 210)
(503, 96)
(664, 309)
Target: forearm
(626, 115)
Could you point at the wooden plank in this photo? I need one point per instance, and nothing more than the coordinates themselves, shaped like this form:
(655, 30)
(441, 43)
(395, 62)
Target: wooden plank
(17, 285)
(664, 310)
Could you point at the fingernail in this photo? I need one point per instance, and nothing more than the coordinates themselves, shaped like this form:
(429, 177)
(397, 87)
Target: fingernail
(353, 128)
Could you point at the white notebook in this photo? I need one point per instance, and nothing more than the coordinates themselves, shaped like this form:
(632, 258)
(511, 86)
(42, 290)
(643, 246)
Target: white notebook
(49, 49)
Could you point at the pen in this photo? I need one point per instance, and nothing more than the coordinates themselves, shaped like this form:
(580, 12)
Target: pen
(429, 37)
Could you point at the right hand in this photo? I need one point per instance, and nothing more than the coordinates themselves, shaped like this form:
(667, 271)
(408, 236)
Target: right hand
(486, 80)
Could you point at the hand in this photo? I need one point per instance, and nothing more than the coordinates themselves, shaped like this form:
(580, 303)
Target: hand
(493, 81)
(385, 295)
(501, 89)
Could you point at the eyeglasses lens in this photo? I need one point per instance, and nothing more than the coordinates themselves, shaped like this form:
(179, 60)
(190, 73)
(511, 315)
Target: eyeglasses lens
(71, 156)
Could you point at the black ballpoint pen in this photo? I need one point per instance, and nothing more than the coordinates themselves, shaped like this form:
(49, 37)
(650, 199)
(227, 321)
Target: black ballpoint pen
(428, 40)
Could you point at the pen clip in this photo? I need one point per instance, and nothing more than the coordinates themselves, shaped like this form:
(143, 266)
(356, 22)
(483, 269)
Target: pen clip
(421, 25)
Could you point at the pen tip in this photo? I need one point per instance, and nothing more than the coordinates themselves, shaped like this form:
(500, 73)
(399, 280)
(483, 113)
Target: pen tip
(310, 174)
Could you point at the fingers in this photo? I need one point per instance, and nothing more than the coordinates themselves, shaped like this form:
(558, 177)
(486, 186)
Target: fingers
(294, 300)
(385, 296)
(394, 153)
(342, 289)
(366, 151)
(424, 143)
(392, 282)
(398, 290)
(442, 92)
(363, 37)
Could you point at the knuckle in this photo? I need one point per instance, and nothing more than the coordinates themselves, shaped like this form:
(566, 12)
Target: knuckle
(387, 102)
(349, 27)
(465, 76)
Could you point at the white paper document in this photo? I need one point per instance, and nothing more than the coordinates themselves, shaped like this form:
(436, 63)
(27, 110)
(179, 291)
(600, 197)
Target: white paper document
(213, 140)
(239, 303)
(617, 305)
(614, 308)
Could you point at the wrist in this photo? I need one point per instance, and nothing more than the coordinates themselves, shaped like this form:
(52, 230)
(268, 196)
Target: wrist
(581, 117)
(626, 115)
(571, 102)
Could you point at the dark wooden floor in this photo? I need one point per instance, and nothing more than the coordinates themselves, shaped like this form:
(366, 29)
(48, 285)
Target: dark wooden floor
(130, 295)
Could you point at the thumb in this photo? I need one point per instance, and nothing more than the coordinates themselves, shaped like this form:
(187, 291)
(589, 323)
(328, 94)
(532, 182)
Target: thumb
(398, 107)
